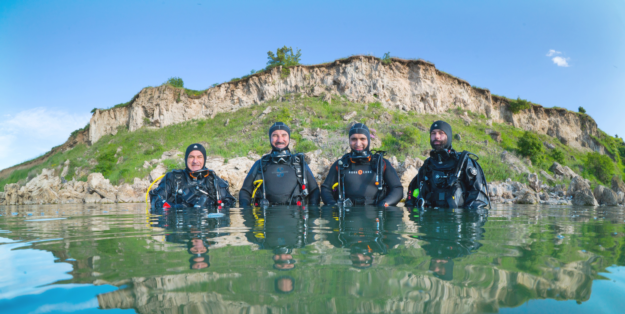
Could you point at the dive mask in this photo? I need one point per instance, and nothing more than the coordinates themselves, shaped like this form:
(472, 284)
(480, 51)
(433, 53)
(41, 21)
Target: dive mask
(280, 156)
(359, 155)
(202, 173)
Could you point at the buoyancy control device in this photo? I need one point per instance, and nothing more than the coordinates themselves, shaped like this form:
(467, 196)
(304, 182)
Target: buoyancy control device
(360, 183)
(282, 177)
(442, 185)
(200, 189)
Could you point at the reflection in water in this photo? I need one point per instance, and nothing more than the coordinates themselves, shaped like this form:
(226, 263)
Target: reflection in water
(449, 234)
(294, 259)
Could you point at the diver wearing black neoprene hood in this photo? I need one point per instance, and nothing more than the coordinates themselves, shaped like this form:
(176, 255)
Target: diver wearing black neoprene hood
(280, 177)
(448, 178)
(195, 186)
(360, 177)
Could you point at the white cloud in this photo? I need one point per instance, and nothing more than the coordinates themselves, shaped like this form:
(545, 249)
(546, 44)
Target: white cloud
(32, 132)
(561, 62)
(553, 53)
(558, 60)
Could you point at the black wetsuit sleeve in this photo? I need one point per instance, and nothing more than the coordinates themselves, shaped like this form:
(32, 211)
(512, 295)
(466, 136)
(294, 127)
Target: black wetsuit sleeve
(476, 187)
(326, 187)
(314, 195)
(394, 189)
(164, 192)
(245, 195)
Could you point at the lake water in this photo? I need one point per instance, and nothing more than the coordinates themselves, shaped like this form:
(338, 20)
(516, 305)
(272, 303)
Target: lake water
(120, 258)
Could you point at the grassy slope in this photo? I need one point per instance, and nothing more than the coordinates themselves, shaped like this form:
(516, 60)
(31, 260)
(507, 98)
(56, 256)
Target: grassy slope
(246, 132)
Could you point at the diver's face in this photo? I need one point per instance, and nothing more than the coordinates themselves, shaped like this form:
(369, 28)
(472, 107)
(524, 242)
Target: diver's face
(195, 161)
(280, 139)
(438, 139)
(198, 247)
(358, 142)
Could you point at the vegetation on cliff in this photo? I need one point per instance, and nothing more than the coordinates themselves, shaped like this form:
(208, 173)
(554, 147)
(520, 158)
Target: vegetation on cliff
(121, 157)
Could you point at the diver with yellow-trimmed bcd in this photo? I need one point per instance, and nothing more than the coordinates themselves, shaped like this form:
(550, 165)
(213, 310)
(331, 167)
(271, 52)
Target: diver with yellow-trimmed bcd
(279, 178)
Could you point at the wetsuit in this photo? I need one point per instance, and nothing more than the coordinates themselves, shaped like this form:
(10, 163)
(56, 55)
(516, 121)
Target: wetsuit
(436, 185)
(184, 188)
(360, 182)
(281, 183)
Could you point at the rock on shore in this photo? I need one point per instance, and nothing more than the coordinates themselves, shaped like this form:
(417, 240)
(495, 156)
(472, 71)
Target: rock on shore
(47, 188)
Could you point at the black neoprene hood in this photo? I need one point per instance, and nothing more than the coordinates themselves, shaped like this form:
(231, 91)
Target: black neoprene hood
(192, 147)
(279, 126)
(361, 128)
(445, 127)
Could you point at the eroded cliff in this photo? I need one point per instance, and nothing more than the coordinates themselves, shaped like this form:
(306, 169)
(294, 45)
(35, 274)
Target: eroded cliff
(408, 85)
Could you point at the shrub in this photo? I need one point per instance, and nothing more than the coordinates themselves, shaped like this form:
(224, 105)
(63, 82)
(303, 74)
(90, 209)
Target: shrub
(519, 104)
(531, 146)
(601, 166)
(557, 155)
(106, 162)
(581, 110)
(80, 130)
(386, 59)
(175, 82)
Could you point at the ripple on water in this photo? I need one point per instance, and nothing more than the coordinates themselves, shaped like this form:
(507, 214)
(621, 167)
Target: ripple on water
(312, 260)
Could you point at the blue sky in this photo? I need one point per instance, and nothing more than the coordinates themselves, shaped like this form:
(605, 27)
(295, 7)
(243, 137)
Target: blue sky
(60, 59)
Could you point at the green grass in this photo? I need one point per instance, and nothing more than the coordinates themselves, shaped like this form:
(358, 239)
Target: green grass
(401, 137)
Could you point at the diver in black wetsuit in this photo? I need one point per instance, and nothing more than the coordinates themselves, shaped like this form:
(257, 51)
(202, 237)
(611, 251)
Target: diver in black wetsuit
(448, 178)
(279, 178)
(450, 234)
(195, 186)
(360, 177)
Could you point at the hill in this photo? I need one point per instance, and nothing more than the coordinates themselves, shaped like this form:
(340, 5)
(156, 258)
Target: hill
(399, 100)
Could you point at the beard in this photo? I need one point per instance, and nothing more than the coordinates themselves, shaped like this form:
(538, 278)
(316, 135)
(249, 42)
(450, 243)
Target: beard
(438, 147)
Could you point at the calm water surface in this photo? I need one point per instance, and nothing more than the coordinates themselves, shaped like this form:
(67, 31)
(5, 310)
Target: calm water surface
(114, 258)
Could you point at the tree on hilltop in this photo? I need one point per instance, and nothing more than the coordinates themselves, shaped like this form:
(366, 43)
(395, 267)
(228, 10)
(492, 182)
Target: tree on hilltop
(283, 57)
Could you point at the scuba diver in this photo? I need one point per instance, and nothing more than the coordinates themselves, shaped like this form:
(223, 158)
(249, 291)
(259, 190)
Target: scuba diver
(193, 230)
(450, 234)
(360, 177)
(448, 178)
(280, 230)
(279, 178)
(365, 232)
(195, 186)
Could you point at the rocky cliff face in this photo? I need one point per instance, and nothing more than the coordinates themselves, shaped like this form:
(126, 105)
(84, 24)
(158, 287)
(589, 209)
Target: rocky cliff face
(408, 85)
